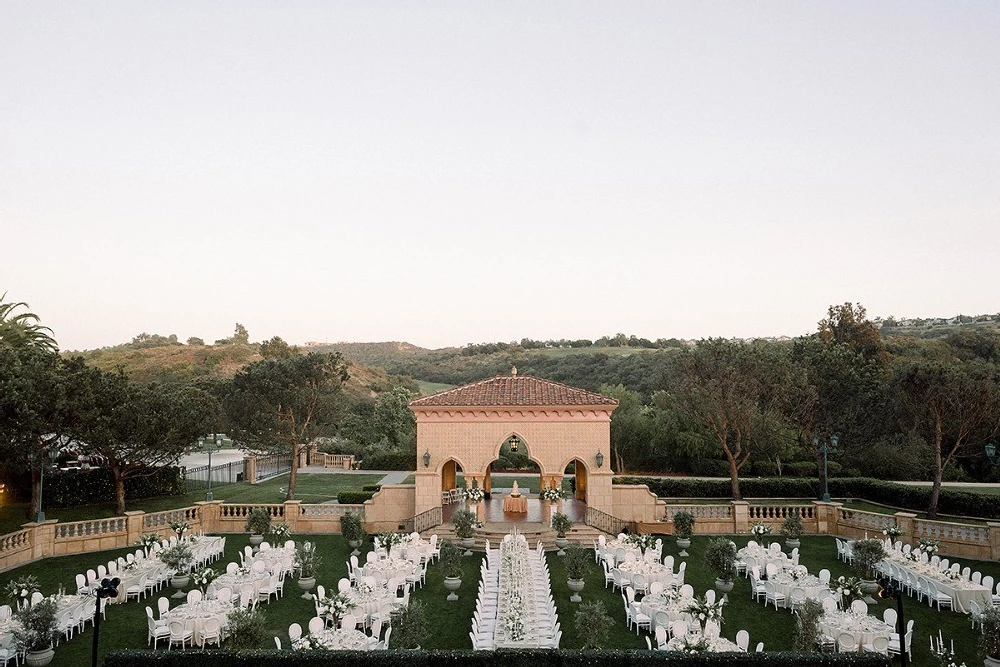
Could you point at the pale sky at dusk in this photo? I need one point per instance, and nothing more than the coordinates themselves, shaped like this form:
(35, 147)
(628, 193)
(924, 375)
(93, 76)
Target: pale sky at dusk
(454, 172)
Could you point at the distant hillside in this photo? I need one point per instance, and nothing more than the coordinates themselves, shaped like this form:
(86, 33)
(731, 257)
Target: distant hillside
(370, 354)
(937, 328)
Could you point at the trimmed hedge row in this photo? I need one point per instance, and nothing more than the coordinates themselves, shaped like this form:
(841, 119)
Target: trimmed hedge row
(372, 487)
(503, 658)
(70, 488)
(915, 498)
(390, 461)
(354, 497)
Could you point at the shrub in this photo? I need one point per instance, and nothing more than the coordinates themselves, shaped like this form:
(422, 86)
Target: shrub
(867, 554)
(807, 626)
(391, 460)
(246, 628)
(178, 558)
(409, 626)
(37, 626)
(451, 560)
(354, 497)
(593, 624)
(374, 488)
(258, 521)
(721, 558)
(465, 524)
(683, 524)
(576, 561)
(351, 527)
(72, 488)
(989, 642)
(561, 524)
(792, 527)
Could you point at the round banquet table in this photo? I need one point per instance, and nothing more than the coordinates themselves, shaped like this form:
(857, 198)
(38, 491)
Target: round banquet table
(655, 605)
(387, 568)
(765, 556)
(235, 580)
(784, 582)
(517, 504)
(194, 615)
(864, 627)
(334, 639)
(653, 570)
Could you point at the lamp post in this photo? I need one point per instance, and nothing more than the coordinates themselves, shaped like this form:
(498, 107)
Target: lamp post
(107, 589)
(888, 590)
(829, 445)
(35, 457)
(213, 445)
(991, 452)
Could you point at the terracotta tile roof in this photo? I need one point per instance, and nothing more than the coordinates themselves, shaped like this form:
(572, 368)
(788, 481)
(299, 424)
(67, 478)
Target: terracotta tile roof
(511, 390)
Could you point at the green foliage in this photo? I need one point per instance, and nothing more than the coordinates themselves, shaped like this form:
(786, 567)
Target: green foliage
(683, 524)
(258, 521)
(354, 497)
(307, 559)
(37, 626)
(374, 488)
(561, 524)
(792, 527)
(178, 558)
(465, 524)
(23, 329)
(989, 641)
(351, 527)
(807, 631)
(277, 348)
(390, 460)
(409, 626)
(576, 561)
(72, 488)
(451, 559)
(194, 340)
(246, 629)
(721, 558)
(593, 623)
(867, 554)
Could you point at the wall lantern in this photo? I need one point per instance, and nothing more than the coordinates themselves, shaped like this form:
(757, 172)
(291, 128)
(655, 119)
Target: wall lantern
(514, 442)
(600, 459)
(991, 450)
(427, 459)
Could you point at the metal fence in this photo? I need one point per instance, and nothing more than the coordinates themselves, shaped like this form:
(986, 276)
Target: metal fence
(272, 466)
(196, 478)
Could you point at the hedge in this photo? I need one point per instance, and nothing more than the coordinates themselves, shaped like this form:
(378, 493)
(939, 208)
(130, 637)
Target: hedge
(915, 498)
(502, 658)
(69, 488)
(372, 487)
(397, 460)
(354, 497)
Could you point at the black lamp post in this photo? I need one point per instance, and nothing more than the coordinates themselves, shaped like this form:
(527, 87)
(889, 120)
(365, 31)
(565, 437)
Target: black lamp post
(212, 446)
(43, 461)
(991, 452)
(829, 445)
(888, 590)
(107, 589)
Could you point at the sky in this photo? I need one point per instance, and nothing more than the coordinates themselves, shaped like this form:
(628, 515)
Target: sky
(454, 172)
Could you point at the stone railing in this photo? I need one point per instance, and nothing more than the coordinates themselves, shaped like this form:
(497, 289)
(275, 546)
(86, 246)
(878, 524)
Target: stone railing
(338, 461)
(15, 548)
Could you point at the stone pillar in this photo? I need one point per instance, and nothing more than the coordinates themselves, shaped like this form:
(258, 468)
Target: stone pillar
(292, 510)
(43, 537)
(250, 470)
(905, 522)
(994, 527)
(210, 513)
(133, 525)
(303, 456)
(741, 516)
(827, 516)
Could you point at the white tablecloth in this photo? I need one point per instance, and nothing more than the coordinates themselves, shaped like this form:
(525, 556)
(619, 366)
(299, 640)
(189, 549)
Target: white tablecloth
(962, 591)
(333, 639)
(195, 614)
(235, 581)
(864, 627)
(784, 582)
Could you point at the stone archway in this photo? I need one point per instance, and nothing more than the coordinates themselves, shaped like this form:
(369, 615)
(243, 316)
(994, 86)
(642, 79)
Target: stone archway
(471, 423)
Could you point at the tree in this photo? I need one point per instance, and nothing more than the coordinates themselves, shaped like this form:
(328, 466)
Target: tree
(276, 348)
(848, 324)
(240, 336)
(281, 404)
(630, 426)
(136, 429)
(952, 405)
(393, 419)
(735, 389)
(23, 328)
(194, 340)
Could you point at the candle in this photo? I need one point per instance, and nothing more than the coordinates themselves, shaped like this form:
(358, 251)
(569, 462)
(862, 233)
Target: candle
(953, 647)
(932, 643)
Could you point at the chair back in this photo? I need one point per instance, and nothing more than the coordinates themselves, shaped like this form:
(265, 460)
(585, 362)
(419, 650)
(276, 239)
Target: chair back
(760, 647)
(847, 642)
(264, 546)
(258, 566)
(710, 596)
(889, 616)
(859, 607)
(294, 631)
(678, 629)
(743, 640)
(655, 588)
(232, 567)
(661, 636)
(176, 627)
(348, 622)
(771, 570)
(829, 605)
(36, 597)
(687, 591)
(316, 625)
(824, 576)
(224, 594)
(194, 595)
(880, 644)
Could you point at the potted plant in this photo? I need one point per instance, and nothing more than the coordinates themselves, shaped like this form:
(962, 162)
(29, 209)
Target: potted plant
(989, 641)
(258, 524)
(19, 590)
(409, 626)
(306, 561)
(562, 525)
(179, 559)
(451, 567)
(465, 529)
(868, 553)
(576, 567)
(279, 532)
(683, 529)
(353, 531)
(593, 624)
(35, 632)
(792, 529)
(721, 558)
(807, 632)
(245, 628)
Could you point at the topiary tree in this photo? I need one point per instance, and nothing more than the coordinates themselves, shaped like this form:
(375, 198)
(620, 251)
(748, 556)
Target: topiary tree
(561, 524)
(868, 554)
(465, 524)
(721, 558)
(593, 624)
(683, 524)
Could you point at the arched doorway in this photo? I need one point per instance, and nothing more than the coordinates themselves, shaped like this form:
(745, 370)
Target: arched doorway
(578, 469)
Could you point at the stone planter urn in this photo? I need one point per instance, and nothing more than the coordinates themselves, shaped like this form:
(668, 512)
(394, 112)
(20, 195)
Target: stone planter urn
(724, 586)
(869, 588)
(575, 586)
(255, 539)
(683, 543)
(179, 581)
(991, 662)
(354, 544)
(452, 584)
(306, 584)
(39, 658)
(792, 543)
(561, 543)
(467, 544)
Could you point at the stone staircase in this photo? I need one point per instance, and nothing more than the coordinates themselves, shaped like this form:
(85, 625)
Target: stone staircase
(583, 534)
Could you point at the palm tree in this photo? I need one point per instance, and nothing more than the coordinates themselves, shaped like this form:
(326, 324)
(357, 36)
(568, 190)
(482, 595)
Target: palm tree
(23, 328)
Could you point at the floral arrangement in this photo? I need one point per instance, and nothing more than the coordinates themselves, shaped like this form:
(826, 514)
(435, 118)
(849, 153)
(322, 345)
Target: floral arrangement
(552, 494)
(643, 542)
(474, 494)
(128, 567)
(914, 555)
(929, 547)
(389, 540)
(703, 611)
(204, 577)
(280, 531)
(760, 530)
(946, 658)
(513, 620)
(690, 645)
(953, 575)
(335, 606)
(799, 572)
(364, 588)
(147, 540)
(244, 570)
(20, 589)
(892, 531)
(849, 588)
(180, 527)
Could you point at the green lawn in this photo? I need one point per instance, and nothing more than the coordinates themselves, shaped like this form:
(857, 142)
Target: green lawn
(316, 488)
(451, 622)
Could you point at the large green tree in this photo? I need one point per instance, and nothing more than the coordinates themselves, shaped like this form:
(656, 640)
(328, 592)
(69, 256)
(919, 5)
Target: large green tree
(23, 329)
(280, 405)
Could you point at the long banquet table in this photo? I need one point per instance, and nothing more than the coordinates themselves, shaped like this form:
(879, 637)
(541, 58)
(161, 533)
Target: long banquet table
(962, 591)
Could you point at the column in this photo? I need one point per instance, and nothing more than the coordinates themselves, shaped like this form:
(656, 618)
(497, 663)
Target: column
(133, 525)
(292, 511)
(741, 516)
(250, 470)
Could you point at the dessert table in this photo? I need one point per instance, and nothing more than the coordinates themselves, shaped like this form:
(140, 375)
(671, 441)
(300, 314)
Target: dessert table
(517, 504)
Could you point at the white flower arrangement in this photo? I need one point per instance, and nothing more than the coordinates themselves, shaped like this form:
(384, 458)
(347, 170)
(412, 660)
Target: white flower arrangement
(133, 565)
(953, 575)
(929, 547)
(914, 555)
(336, 606)
(147, 540)
(22, 588)
(643, 542)
(244, 570)
(691, 644)
(389, 540)
(180, 527)
(703, 610)
(280, 531)
(799, 572)
(892, 531)
(364, 587)
(513, 621)
(205, 577)
(760, 530)
(849, 588)
(552, 494)
(474, 494)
